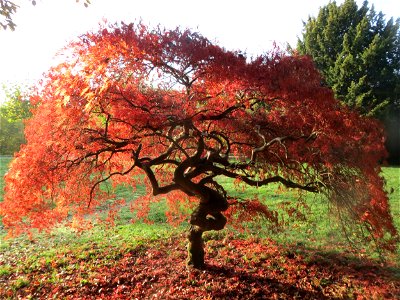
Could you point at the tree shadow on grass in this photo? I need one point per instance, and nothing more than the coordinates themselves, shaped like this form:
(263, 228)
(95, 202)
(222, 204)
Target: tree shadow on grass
(254, 286)
(291, 272)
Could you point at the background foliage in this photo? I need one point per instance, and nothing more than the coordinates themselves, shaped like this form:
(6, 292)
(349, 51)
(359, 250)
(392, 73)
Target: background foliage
(358, 53)
(13, 112)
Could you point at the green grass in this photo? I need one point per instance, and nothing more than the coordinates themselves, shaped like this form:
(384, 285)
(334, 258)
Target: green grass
(321, 229)
(318, 231)
(4, 162)
(392, 176)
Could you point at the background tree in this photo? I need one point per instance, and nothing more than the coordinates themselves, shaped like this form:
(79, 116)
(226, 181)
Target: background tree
(13, 111)
(175, 109)
(358, 54)
(9, 8)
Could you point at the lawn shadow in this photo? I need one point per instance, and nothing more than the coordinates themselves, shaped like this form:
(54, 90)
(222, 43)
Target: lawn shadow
(352, 265)
(255, 286)
(302, 273)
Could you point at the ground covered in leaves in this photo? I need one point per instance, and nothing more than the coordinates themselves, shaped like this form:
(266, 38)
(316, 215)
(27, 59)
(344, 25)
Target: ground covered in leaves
(236, 269)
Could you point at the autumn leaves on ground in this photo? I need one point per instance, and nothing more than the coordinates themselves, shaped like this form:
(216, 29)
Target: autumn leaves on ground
(236, 269)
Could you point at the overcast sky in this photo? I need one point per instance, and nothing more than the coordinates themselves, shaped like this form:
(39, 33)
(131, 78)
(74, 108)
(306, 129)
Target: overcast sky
(248, 25)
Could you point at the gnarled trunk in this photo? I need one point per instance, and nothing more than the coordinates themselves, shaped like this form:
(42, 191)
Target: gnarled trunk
(207, 216)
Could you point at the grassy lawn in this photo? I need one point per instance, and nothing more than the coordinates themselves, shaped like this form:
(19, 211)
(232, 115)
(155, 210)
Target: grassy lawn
(305, 258)
(4, 162)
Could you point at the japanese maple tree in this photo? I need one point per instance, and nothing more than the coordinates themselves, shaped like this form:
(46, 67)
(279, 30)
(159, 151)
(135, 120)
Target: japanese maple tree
(174, 110)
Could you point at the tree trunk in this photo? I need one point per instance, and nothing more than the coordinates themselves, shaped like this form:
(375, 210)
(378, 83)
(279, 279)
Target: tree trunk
(207, 216)
(195, 248)
(204, 218)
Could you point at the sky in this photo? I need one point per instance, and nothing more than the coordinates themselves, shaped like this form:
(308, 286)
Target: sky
(247, 25)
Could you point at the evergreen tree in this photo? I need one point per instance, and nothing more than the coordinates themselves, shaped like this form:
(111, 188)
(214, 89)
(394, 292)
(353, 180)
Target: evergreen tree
(358, 53)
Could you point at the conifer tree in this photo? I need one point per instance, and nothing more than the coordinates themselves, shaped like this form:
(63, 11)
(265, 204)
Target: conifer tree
(358, 54)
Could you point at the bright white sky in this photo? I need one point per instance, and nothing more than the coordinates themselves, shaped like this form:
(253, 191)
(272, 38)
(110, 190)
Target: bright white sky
(248, 25)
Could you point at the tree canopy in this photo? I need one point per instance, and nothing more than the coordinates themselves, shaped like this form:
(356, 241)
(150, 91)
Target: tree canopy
(172, 109)
(358, 53)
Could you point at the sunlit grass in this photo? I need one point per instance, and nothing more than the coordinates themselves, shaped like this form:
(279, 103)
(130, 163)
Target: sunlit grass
(392, 177)
(4, 162)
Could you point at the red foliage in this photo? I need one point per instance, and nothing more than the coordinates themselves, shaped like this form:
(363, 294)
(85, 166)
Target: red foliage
(171, 105)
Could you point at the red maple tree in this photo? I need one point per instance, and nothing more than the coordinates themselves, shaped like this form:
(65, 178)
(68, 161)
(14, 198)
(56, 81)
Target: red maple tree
(173, 108)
